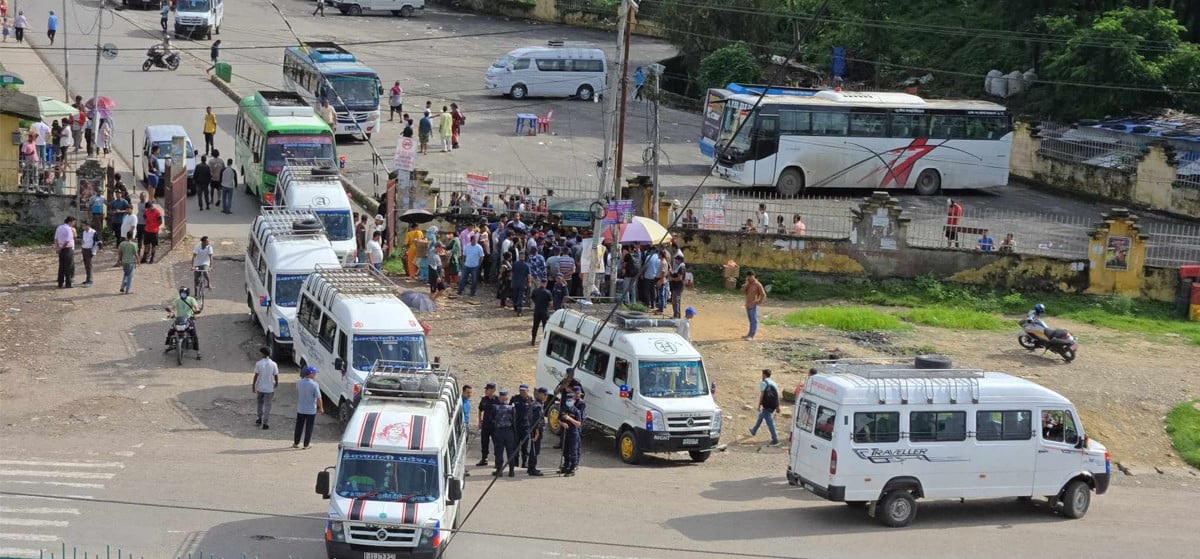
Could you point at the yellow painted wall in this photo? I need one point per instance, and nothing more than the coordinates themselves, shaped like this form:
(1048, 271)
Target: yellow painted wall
(758, 253)
(1160, 284)
(9, 154)
(1021, 272)
(1104, 279)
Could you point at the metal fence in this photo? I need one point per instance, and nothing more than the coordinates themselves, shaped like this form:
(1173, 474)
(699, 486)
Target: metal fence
(827, 217)
(1089, 147)
(56, 177)
(1172, 245)
(496, 186)
(1045, 234)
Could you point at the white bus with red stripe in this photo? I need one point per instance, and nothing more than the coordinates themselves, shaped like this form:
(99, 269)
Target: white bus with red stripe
(396, 488)
(797, 139)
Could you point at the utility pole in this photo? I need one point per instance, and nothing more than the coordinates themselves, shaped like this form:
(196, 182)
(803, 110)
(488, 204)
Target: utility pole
(616, 108)
(656, 71)
(66, 63)
(96, 78)
(628, 7)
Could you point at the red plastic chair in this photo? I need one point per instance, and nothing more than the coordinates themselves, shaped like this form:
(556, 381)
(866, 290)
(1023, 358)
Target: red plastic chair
(543, 122)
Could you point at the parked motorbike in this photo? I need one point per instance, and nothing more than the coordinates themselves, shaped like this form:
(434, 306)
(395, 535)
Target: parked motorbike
(1035, 335)
(180, 338)
(155, 59)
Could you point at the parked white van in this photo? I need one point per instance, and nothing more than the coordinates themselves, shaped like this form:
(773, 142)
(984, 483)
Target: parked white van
(160, 135)
(645, 386)
(316, 185)
(403, 8)
(199, 17)
(285, 246)
(558, 70)
(347, 319)
(883, 433)
(397, 486)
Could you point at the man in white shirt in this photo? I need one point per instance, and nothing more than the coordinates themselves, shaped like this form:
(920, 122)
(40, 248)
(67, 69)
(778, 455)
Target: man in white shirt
(43, 133)
(90, 243)
(684, 327)
(202, 259)
(375, 251)
(266, 380)
(64, 244)
(764, 220)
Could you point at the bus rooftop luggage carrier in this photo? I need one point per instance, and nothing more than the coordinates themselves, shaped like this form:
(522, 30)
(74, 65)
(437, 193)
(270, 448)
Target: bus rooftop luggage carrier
(282, 103)
(309, 170)
(327, 51)
(287, 224)
(408, 380)
(900, 378)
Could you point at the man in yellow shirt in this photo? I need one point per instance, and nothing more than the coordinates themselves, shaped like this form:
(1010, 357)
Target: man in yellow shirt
(210, 128)
(329, 115)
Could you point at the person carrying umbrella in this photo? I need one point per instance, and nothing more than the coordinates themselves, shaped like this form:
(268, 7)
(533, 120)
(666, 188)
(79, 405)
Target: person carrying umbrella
(410, 243)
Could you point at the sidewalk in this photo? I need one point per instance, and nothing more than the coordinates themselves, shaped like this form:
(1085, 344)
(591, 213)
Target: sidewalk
(40, 80)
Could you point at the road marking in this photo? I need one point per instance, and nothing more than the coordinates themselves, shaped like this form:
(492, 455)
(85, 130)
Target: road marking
(50, 497)
(20, 552)
(34, 522)
(587, 555)
(77, 485)
(28, 537)
(40, 473)
(38, 510)
(62, 464)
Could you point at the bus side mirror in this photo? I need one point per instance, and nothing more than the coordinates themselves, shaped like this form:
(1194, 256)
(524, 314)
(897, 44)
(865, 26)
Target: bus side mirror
(323, 483)
(455, 489)
(1083, 443)
(339, 364)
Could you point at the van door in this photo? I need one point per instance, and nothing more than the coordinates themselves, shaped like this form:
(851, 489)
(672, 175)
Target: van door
(765, 148)
(812, 440)
(592, 374)
(343, 352)
(1004, 452)
(145, 155)
(255, 285)
(1057, 458)
(321, 357)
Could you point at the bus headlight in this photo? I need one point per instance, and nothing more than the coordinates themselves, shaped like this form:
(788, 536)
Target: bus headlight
(715, 428)
(285, 333)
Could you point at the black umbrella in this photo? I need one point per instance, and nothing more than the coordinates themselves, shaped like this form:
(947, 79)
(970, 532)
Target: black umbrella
(416, 217)
(418, 302)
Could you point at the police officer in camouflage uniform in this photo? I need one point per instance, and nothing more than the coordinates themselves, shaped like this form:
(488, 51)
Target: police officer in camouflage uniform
(568, 384)
(521, 405)
(537, 424)
(486, 421)
(572, 422)
(504, 420)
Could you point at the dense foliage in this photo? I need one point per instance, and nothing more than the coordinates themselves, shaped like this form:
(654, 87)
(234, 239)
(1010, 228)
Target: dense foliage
(1092, 57)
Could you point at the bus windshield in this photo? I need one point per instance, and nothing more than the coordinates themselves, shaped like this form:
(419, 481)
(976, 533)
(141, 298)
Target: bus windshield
(742, 140)
(357, 92)
(337, 224)
(384, 476)
(502, 62)
(309, 146)
(672, 379)
(287, 289)
(369, 349)
(192, 6)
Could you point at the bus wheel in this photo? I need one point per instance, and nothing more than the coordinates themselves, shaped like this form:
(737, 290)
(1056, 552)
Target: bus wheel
(791, 182)
(406, 11)
(355, 10)
(929, 182)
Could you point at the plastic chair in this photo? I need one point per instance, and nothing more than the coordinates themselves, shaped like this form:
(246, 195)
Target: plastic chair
(543, 122)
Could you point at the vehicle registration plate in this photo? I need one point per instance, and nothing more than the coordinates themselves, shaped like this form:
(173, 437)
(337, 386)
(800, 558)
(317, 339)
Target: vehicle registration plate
(808, 487)
(691, 442)
(372, 555)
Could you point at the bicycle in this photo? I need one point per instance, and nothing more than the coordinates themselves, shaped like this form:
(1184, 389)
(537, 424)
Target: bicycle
(197, 273)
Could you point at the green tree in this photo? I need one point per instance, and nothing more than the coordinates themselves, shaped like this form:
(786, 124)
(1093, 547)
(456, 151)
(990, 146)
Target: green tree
(731, 63)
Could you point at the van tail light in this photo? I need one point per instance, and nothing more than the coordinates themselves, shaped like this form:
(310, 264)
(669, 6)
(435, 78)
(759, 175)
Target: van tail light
(833, 462)
(1107, 462)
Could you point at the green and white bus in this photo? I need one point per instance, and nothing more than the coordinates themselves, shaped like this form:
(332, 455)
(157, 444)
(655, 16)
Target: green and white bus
(272, 127)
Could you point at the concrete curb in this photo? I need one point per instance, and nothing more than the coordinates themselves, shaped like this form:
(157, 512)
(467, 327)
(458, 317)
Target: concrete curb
(358, 195)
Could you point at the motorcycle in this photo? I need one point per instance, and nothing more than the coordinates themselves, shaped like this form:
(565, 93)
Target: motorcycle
(1035, 335)
(154, 59)
(179, 338)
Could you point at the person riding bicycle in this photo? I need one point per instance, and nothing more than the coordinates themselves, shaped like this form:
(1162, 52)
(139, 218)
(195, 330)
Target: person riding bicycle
(185, 306)
(202, 256)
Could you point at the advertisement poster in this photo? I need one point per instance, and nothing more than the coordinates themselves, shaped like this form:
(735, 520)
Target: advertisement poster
(618, 211)
(713, 211)
(476, 187)
(1116, 255)
(406, 154)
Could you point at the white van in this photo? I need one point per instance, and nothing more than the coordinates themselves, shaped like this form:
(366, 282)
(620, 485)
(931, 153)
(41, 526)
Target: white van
(403, 8)
(199, 17)
(348, 319)
(316, 185)
(558, 70)
(285, 246)
(397, 486)
(646, 387)
(161, 135)
(883, 433)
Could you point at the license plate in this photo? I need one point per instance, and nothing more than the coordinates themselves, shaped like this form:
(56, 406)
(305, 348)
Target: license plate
(370, 555)
(808, 487)
(691, 442)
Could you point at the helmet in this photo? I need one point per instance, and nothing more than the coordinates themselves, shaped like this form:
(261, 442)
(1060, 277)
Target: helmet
(1039, 308)
(184, 290)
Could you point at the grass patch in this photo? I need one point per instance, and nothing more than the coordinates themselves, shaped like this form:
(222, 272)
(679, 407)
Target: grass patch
(1183, 426)
(952, 317)
(849, 319)
(394, 267)
(18, 235)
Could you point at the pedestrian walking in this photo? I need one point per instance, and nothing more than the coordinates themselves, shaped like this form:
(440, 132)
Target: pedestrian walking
(329, 115)
(214, 54)
(396, 102)
(504, 434)
(44, 139)
(215, 168)
(140, 230)
(768, 406)
(504, 279)
(541, 298)
(537, 427)
(572, 421)
(458, 119)
(954, 211)
(154, 220)
(375, 251)
(152, 172)
(639, 81)
(266, 380)
(519, 283)
(472, 259)
(228, 183)
(308, 404)
(445, 128)
(106, 134)
(201, 178)
(521, 404)
(424, 131)
(52, 26)
(675, 282)
(4, 28)
(66, 140)
(433, 265)
(755, 295)
(64, 243)
(97, 204)
(118, 208)
(19, 25)
(163, 11)
(128, 257)
(89, 242)
(684, 326)
(320, 8)
(210, 129)
(487, 420)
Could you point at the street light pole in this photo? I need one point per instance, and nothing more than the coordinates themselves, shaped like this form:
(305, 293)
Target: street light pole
(96, 78)
(66, 62)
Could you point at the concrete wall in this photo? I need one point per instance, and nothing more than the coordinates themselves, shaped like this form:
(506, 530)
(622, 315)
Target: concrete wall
(35, 209)
(1160, 284)
(549, 11)
(1150, 186)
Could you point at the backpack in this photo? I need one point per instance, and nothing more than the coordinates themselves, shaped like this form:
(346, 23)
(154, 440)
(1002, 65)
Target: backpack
(770, 399)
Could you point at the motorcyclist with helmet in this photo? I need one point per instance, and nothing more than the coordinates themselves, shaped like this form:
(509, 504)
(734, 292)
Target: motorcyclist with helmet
(185, 306)
(161, 52)
(1035, 315)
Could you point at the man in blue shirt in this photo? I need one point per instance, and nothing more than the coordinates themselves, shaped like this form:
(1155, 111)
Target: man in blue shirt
(308, 404)
(639, 80)
(472, 258)
(52, 26)
(537, 266)
(649, 277)
(986, 244)
(424, 130)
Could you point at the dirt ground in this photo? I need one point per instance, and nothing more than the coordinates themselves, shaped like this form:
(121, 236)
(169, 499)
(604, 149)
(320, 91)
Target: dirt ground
(1122, 383)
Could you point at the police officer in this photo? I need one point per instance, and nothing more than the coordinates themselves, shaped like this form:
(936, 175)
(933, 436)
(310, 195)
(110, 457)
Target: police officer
(568, 384)
(487, 422)
(520, 405)
(504, 419)
(572, 422)
(537, 423)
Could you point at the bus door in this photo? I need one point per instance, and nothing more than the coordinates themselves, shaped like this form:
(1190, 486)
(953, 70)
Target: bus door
(765, 148)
